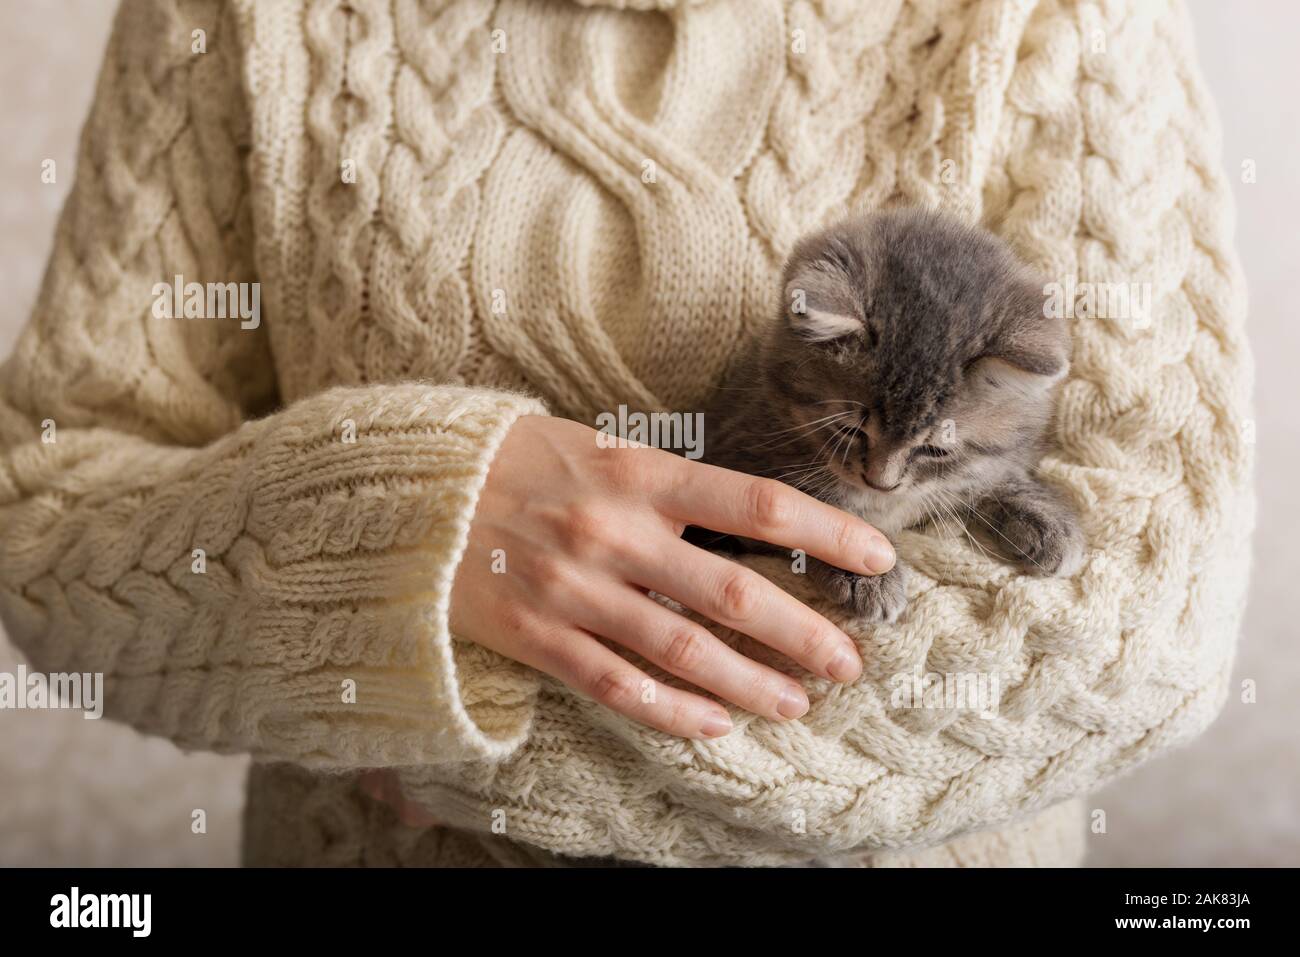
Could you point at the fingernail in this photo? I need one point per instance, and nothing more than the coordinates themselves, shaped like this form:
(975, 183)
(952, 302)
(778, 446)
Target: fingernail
(715, 726)
(845, 666)
(793, 703)
(880, 555)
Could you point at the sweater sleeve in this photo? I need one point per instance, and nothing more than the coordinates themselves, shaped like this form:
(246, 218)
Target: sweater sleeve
(275, 584)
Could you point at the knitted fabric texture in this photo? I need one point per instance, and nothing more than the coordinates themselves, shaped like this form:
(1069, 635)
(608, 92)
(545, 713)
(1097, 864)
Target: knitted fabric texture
(462, 211)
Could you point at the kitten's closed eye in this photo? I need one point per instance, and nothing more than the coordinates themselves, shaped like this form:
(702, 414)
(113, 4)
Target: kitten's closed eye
(930, 451)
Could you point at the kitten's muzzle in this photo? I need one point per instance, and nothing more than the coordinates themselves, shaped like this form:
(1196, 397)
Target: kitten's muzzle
(880, 488)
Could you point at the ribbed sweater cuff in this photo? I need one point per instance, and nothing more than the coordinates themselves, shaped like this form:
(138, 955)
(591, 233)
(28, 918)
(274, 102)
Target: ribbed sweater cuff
(362, 512)
(282, 591)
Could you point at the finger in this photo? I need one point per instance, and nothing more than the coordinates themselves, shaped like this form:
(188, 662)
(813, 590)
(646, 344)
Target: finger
(371, 784)
(580, 661)
(413, 815)
(771, 511)
(684, 648)
(383, 786)
(740, 598)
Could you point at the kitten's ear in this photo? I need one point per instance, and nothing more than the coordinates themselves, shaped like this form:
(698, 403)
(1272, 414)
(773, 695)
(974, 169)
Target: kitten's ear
(1032, 350)
(996, 372)
(816, 305)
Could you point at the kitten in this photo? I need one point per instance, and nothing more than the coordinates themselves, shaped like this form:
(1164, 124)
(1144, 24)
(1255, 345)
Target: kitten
(912, 375)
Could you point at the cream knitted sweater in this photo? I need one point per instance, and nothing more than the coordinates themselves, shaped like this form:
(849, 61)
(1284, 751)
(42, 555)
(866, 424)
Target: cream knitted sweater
(461, 211)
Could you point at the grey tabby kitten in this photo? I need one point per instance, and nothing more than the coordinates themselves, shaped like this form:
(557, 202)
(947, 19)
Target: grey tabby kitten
(911, 376)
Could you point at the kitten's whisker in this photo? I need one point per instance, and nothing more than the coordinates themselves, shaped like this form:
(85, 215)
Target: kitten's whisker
(934, 517)
(818, 454)
(929, 513)
(816, 462)
(804, 472)
(931, 507)
(812, 484)
(791, 469)
(839, 442)
(824, 418)
(952, 503)
(948, 514)
(826, 484)
(996, 531)
(852, 435)
(840, 436)
(807, 429)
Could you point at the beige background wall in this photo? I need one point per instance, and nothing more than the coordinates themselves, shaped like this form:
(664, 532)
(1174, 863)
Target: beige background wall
(84, 792)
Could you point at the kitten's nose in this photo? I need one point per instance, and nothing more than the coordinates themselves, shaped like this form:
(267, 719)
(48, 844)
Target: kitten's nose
(883, 468)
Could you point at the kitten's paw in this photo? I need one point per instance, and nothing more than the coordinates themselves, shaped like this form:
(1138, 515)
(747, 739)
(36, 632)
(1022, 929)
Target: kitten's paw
(875, 598)
(1042, 541)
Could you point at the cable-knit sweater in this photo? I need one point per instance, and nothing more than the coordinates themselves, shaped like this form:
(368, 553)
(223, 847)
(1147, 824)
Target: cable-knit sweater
(461, 211)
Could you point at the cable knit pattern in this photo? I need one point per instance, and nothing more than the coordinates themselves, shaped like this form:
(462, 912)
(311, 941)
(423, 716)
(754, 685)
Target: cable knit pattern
(589, 203)
(330, 529)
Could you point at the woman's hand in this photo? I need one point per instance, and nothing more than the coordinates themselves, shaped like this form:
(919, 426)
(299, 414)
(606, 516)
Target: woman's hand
(568, 537)
(381, 784)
